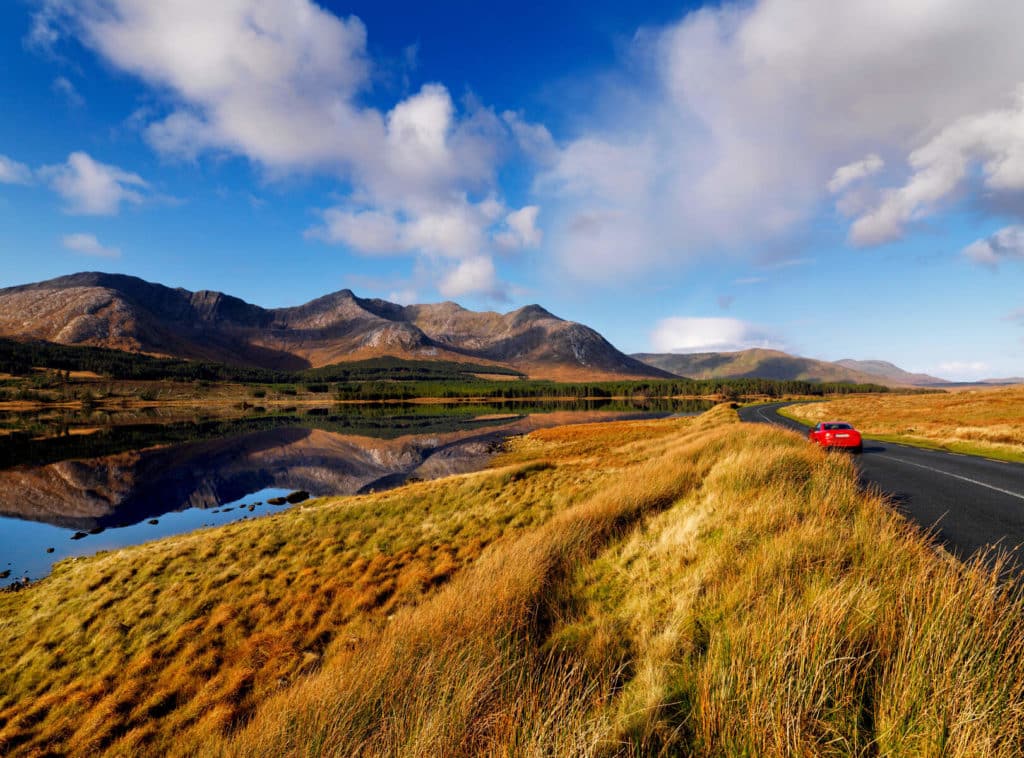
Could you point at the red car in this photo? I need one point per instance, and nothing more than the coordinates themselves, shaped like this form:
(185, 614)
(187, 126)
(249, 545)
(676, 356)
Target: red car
(836, 434)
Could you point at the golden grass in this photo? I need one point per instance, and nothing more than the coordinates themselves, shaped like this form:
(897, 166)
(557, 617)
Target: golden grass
(689, 586)
(980, 422)
(762, 605)
(150, 647)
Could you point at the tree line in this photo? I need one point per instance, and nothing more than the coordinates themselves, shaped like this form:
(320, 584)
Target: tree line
(390, 378)
(20, 358)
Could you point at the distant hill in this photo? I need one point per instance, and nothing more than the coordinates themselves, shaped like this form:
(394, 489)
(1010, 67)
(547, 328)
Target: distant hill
(775, 364)
(890, 372)
(127, 313)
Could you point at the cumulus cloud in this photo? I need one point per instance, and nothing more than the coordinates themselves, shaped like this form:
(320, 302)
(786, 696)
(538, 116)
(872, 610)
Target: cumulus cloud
(87, 244)
(854, 172)
(748, 112)
(269, 78)
(473, 275)
(993, 141)
(698, 335)
(520, 229)
(93, 188)
(1006, 244)
(367, 231)
(12, 172)
(454, 230)
(281, 83)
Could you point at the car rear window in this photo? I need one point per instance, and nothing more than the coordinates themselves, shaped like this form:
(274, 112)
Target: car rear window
(831, 427)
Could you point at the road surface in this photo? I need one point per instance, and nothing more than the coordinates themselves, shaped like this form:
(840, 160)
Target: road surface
(971, 503)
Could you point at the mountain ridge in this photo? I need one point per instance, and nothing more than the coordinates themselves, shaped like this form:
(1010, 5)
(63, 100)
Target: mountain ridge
(775, 364)
(129, 313)
(891, 372)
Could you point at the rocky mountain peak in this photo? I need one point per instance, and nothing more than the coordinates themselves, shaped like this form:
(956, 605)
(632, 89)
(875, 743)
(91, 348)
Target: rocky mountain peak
(128, 313)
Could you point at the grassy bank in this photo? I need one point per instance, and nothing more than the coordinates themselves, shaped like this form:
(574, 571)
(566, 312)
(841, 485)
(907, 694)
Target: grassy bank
(638, 588)
(973, 422)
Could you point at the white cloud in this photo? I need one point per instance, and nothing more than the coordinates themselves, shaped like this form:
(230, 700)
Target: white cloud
(367, 231)
(697, 335)
(63, 87)
(992, 141)
(271, 79)
(520, 230)
(453, 231)
(854, 172)
(1006, 244)
(93, 188)
(471, 276)
(281, 82)
(87, 244)
(533, 139)
(746, 112)
(12, 172)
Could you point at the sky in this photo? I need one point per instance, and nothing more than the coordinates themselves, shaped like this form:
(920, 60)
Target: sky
(833, 179)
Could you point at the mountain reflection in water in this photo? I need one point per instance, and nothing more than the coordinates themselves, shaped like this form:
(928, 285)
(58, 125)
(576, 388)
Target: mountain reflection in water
(144, 472)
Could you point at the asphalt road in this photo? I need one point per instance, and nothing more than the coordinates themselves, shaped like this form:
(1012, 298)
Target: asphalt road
(970, 503)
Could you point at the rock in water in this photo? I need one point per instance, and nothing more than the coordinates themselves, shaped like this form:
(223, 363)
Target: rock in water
(297, 497)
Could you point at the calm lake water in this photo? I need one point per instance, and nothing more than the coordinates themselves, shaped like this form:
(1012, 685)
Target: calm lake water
(73, 485)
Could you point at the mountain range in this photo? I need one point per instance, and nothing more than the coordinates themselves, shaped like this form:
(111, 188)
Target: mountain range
(127, 313)
(774, 364)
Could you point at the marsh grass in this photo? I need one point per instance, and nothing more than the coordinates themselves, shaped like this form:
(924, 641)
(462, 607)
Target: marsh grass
(639, 588)
(988, 422)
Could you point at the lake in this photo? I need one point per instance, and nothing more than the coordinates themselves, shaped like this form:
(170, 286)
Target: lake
(73, 484)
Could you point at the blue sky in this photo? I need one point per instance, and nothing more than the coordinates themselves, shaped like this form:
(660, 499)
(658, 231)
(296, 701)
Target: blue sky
(842, 180)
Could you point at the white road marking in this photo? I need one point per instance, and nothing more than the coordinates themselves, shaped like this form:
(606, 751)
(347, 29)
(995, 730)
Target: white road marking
(760, 412)
(957, 476)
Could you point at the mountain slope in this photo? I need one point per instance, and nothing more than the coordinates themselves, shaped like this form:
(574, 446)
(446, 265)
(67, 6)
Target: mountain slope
(127, 313)
(765, 364)
(889, 372)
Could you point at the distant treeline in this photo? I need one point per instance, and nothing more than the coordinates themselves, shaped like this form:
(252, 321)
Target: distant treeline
(19, 358)
(391, 378)
(728, 388)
